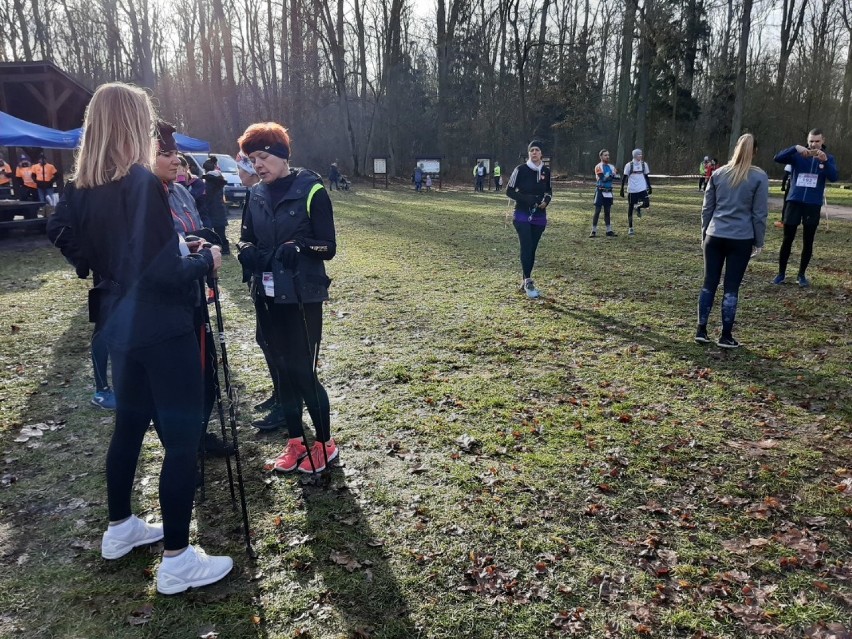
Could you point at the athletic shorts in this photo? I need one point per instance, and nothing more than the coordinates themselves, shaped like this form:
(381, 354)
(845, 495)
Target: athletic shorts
(796, 213)
(637, 198)
(600, 200)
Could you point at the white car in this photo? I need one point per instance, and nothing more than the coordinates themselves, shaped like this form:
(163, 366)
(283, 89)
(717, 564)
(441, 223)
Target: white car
(235, 192)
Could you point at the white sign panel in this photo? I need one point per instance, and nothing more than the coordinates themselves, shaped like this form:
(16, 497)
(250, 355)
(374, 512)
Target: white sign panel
(430, 166)
(380, 166)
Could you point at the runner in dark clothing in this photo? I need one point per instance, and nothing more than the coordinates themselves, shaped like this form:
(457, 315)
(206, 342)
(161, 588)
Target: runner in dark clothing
(529, 186)
(812, 166)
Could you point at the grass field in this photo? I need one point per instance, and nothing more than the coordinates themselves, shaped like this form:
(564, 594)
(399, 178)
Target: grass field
(570, 467)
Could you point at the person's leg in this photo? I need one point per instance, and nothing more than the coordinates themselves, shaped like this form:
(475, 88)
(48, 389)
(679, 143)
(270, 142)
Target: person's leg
(174, 377)
(536, 232)
(808, 235)
(525, 240)
(134, 412)
(303, 335)
(786, 247)
(714, 258)
(596, 217)
(221, 231)
(736, 261)
(631, 202)
(607, 211)
(264, 347)
(100, 360)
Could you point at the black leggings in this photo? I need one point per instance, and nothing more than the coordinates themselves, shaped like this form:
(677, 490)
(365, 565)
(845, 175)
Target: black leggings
(528, 235)
(163, 379)
(808, 235)
(100, 360)
(294, 354)
(733, 255)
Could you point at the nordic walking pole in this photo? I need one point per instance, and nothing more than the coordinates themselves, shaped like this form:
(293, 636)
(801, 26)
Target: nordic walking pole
(229, 391)
(314, 358)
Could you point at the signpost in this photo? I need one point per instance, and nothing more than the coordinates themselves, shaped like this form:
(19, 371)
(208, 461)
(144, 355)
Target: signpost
(380, 167)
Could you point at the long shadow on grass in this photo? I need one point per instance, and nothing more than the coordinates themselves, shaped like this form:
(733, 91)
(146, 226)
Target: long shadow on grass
(361, 585)
(796, 385)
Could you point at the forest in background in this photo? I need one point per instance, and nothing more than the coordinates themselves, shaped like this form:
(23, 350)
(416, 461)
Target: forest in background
(353, 79)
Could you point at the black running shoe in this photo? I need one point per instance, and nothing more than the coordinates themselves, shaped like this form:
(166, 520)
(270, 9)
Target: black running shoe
(273, 421)
(611, 234)
(727, 342)
(214, 446)
(266, 404)
(701, 336)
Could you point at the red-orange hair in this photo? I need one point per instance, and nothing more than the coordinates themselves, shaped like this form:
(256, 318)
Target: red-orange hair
(260, 135)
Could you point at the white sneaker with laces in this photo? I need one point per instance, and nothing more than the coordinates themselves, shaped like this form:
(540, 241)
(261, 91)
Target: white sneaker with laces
(193, 568)
(121, 539)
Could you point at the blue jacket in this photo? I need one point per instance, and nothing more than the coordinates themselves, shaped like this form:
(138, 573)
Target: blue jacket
(801, 166)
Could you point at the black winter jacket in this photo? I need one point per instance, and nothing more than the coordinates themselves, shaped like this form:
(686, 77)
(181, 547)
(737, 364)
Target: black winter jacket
(529, 188)
(123, 231)
(268, 224)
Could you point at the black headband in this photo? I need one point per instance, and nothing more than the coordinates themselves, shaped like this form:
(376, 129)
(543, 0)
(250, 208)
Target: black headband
(278, 149)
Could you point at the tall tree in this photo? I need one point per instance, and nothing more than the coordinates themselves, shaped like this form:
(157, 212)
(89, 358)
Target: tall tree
(742, 59)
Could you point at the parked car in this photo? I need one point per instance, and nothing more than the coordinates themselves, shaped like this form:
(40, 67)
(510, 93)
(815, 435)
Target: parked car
(235, 192)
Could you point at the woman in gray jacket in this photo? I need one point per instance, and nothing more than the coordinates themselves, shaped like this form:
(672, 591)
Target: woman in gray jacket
(733, 223)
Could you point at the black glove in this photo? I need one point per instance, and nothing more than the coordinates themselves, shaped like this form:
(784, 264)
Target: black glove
(209, 235)
(288, 255)
(248, 256)
(649, 190)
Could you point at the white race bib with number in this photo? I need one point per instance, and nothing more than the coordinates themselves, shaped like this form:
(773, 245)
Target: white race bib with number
(607, 194)
(268, 284)
(807, 180)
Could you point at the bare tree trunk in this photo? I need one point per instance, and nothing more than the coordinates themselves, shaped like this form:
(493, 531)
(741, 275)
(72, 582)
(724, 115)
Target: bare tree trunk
(25, 31)
(629, 17)
(739, 96)
(273, 66)
(230, 88)
(646, 49)
(791, 27)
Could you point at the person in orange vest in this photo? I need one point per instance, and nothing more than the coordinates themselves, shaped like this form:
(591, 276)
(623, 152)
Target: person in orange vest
(24, 172)
(5, 173)
(43, 174)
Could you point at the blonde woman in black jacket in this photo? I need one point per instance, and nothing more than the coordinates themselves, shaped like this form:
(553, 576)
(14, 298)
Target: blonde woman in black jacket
(115, 220)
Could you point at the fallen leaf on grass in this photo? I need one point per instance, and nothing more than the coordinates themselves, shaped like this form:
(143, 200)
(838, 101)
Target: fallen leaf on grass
(141, 616)
(573, 622)
(342, 559)
(466, 443)
(828, 631)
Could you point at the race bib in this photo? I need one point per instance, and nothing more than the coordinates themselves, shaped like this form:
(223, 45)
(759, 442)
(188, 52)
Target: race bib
(607, 194)
(268, 284)
(807, 180)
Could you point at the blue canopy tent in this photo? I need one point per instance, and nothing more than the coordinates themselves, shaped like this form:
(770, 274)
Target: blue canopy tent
(15, 132)
(184, 142)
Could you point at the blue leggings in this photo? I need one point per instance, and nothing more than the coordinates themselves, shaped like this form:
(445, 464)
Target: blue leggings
(162, 379)
(733, 255)
(528, 235)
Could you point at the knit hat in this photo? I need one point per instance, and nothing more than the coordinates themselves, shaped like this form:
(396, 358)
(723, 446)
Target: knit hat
(636, 153)
(535, 144)
(165, 137)
(245, 164)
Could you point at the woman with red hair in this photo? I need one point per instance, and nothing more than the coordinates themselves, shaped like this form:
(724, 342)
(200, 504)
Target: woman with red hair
(287, 236)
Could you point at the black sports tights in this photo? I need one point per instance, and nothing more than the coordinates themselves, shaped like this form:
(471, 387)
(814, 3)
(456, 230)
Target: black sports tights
(528, 236)
(293, 353)
(808, 235)
(163, 379)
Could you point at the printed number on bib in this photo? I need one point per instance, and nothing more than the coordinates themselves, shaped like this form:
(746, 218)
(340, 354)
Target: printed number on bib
(268, 284)
(807, 180)
(607, 194)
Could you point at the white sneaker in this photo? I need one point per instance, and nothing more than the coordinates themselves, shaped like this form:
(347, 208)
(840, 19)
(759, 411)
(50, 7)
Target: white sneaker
(121, 539)
(191, 569)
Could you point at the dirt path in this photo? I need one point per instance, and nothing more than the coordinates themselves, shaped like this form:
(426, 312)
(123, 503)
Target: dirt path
(834, 211)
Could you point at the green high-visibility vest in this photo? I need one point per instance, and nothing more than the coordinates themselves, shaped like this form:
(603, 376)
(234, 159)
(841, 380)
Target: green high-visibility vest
(496, 171)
